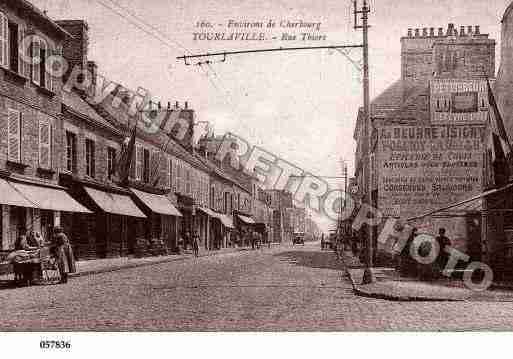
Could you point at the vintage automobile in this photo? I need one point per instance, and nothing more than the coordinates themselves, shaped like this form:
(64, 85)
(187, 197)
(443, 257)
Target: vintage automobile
(298, 239)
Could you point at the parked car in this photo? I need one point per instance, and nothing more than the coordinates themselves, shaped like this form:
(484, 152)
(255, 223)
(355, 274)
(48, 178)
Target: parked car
(298, 239)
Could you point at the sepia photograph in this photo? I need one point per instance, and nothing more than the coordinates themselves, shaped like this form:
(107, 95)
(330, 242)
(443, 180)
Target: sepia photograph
(316, 170)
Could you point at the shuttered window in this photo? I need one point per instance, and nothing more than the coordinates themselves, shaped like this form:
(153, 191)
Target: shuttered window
(170, 174)
(14, 128)
(71, 152)
(111, 162)
(45, 148)
(90, 158)
(188, 184)
(175, 176)
(179, 187)
(4, 41)
(36, 62)
(138, 162)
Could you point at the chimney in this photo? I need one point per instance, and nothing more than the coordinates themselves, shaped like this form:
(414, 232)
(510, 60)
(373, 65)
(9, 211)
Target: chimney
(470, 30)
(440, 31)
(425, 32)
(177, 105)
(75, 49)
(186, 105)
(432, 31)
(450, 30)
(478, 30)
(92, 67)
(417, 32)
(410, 32)
(462, 30)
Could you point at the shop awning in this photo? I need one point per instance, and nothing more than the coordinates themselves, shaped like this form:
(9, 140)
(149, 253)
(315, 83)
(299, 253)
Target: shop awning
(115, 203)
(208, 211)
(225, 220)
(157, 203)
(11, 197)
(53, 199)
(247, 220)
(460, 204)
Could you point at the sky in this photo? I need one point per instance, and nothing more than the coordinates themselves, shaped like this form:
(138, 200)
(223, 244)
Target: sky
(301, 105)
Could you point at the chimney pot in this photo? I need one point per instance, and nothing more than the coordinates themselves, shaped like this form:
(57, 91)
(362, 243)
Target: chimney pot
(168, 105)
(462, 30)
(440, 31)
(160, 105)
(417, 32)
(410, 32)
(432, 31)
(186, 104)
(425, 32)
(478, 30)
(177, 105)
(450, 30)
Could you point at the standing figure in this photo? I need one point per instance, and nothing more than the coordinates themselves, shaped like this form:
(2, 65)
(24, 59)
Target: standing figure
(443, 243)
(62, 250)
(195, 243)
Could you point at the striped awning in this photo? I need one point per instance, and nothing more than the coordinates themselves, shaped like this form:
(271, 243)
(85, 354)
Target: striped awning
(53, 199)
(115, 203)
(157, 203)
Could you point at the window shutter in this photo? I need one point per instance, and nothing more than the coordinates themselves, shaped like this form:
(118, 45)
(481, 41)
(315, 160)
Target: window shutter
(14, 126)
(36, 62)
(139, 162)
(133, 165)
(169, 168)
(175, 176)
(48, 76)
(45, 136)
(4, 41)
(179, 179)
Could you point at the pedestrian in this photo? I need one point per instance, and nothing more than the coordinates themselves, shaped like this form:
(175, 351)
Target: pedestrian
(62, 250)
(195, 243)
(408, 265)
(444, 244)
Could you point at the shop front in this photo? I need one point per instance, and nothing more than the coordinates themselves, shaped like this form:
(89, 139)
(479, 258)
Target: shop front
(28, 206)
(245, 225)
(207, 217)
(161, 225)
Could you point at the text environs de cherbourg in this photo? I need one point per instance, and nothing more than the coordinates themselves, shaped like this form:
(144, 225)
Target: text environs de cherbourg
(259, 30)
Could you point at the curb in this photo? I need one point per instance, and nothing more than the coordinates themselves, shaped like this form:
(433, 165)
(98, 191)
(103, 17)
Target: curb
(390, 297)
(145, 264)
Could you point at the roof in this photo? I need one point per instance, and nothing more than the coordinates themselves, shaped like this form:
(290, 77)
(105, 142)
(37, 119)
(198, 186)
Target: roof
(120, 117)
(78, 106)
(507, 12)
(30, 10)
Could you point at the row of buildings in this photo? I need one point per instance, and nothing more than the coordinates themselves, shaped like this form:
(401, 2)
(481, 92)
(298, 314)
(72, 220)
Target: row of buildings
(436, 144)
(60, 154)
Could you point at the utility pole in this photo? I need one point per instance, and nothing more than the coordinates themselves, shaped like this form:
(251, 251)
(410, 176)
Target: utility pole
(368, 276)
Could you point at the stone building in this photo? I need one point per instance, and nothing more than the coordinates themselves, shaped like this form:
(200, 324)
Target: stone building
(429, 133)
(31, 130)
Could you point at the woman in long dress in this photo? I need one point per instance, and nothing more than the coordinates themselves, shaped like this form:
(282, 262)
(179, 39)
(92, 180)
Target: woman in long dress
(64, 253)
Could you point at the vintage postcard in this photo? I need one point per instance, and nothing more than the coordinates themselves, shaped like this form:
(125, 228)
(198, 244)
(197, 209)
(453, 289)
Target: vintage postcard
(255, 166)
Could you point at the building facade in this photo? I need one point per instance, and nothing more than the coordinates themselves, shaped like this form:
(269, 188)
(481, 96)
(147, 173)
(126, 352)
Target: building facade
(429, 133)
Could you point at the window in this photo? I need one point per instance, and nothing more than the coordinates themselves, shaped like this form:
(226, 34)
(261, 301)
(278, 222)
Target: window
(14, 127)
(238, 201)
(188, 184)
(45, 145)
(146, 166)
(111, 162)
(170, 181)
(13, 46)
(71, 152)
(139, 153)
(4, 41)
(212, 196)
(90, 160)
(225, 202)
(179, 187)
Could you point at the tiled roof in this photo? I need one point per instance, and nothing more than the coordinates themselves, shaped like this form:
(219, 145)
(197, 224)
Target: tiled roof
(77, 105)
(29, 8)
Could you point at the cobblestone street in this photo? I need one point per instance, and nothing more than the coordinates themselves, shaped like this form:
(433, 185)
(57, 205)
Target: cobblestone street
(284, 288)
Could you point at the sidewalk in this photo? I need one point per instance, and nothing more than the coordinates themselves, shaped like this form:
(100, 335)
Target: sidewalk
(390, 286)
(97, 266)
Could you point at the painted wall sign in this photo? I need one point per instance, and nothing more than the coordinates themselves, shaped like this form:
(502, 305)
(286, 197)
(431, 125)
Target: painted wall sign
(422, 168)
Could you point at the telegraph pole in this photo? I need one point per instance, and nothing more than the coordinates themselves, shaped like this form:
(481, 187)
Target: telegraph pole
(368, 276)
